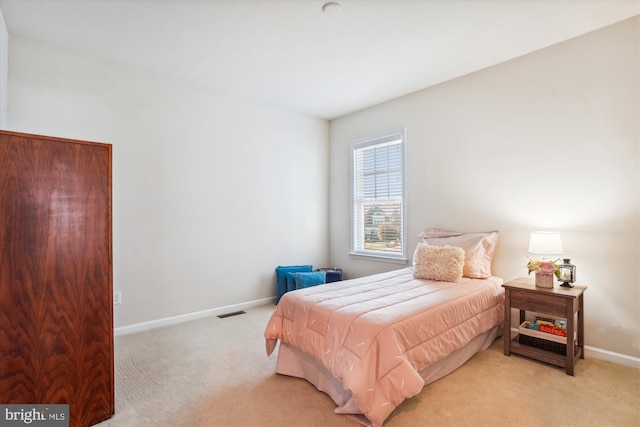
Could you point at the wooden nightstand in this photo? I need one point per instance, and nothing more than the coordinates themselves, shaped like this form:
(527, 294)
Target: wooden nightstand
(566, 303)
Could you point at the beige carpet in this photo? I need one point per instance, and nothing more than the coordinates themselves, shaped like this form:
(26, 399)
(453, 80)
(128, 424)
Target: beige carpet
(214, 372)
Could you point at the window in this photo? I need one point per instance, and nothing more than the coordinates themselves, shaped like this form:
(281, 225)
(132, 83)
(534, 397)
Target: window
(378, 196)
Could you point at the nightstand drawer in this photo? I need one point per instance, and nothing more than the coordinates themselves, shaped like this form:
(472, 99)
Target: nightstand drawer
(539, 302)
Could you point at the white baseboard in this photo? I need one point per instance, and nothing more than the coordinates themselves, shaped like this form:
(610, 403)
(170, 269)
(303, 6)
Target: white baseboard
(609, 356)
(144, 326)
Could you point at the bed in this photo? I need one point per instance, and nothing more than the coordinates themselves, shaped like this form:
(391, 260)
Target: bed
(372, 342)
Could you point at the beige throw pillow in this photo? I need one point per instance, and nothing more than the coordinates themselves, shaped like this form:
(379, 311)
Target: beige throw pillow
(438, 263)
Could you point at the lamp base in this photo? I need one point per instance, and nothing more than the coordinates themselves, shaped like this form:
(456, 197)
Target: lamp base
(566, 285)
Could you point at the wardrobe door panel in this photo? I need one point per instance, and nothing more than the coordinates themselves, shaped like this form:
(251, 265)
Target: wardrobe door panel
(56, 313)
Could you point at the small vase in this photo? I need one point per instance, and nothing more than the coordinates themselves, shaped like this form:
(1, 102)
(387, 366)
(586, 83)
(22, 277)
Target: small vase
(544, 280)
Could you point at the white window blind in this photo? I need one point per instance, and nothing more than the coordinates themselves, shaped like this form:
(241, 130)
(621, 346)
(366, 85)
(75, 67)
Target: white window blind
(378, 196)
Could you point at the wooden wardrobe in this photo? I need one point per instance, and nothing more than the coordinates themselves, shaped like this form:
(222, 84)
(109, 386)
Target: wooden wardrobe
(56, 280)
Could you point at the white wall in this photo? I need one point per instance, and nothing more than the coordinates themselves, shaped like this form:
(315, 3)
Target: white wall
(549, 140)
(4, 69)
(211, 192)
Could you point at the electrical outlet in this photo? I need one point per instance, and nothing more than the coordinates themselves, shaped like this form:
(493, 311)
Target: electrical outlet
(117, 297)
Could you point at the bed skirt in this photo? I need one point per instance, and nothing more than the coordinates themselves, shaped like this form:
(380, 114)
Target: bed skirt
(295, 363)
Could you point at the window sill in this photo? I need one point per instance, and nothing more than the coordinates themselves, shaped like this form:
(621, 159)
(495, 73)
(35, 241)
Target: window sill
(381, 258)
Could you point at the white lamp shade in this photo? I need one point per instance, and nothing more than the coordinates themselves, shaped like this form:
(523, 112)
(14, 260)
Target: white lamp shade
(545, 243)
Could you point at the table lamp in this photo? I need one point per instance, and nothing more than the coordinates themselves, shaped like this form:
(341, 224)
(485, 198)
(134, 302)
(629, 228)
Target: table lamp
(545, 244)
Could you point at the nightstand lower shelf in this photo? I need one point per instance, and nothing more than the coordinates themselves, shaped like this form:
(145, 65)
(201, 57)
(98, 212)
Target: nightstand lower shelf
(543, 355)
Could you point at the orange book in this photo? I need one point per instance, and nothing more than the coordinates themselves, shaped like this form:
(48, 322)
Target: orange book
(553, 330)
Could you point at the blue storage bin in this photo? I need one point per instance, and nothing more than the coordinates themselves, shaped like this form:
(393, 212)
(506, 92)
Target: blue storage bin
(333, 274)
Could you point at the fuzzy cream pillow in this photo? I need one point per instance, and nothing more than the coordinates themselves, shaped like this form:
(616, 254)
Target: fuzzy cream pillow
(443, 263)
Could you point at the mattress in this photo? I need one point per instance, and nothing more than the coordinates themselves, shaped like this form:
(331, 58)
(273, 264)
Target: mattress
(375, 335)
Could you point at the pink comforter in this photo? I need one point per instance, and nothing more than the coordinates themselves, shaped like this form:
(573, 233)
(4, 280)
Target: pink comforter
(375, 333)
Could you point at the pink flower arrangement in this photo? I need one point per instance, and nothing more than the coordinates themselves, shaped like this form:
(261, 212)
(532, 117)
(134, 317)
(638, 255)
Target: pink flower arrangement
(544, 267)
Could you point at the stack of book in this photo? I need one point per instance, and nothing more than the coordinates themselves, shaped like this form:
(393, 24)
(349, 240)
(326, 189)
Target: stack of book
(550, 326)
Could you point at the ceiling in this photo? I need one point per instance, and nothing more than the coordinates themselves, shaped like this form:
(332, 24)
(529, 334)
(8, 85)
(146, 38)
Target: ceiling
(287, 53)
